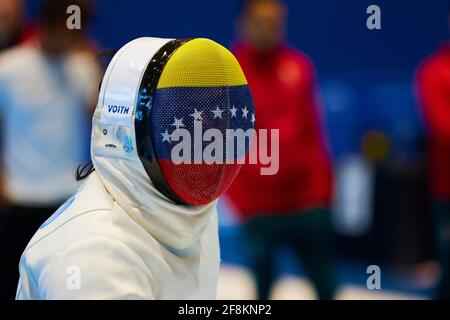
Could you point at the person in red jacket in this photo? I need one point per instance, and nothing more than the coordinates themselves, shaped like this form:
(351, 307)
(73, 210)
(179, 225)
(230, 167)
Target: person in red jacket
(433, 83)
(291, 207)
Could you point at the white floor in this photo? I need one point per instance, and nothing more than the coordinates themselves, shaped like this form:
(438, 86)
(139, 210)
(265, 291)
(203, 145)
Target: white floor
(237, 283)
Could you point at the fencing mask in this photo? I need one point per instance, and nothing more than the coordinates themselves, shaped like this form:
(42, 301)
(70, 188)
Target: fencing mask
(183, 109)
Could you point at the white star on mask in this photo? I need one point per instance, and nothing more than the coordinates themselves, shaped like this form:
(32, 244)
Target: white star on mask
(197, 115)
(166, 136)
(253, 119)
(217, 113)
(178, 123)
(244, 113)
(233, 111)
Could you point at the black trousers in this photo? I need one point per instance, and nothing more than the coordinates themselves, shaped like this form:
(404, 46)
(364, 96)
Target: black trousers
(17, 227)
(310, 236)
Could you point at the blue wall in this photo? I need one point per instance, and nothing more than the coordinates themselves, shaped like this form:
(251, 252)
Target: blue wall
(332, 32)
(366, 76)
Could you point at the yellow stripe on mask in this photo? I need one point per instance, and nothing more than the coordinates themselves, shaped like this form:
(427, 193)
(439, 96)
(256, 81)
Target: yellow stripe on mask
(201, 63)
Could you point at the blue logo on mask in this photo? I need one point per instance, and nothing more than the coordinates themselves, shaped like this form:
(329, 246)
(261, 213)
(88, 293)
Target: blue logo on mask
(118, 109)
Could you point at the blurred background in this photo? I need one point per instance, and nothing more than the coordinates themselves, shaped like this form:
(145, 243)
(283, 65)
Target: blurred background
(373, 129)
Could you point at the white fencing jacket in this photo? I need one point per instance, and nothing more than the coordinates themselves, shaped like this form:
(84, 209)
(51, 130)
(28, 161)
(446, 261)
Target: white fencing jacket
(93, 248)
(118, 237)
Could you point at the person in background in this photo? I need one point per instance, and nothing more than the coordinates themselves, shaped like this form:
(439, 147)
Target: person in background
(433, 84)
(11, 23)
(291, 207)
(47, 86)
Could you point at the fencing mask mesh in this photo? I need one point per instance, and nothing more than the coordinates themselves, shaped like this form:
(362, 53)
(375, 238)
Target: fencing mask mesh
(194, 120)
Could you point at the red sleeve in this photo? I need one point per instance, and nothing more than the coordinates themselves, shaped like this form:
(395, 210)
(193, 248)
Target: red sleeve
(314, 146)
(433, 83)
